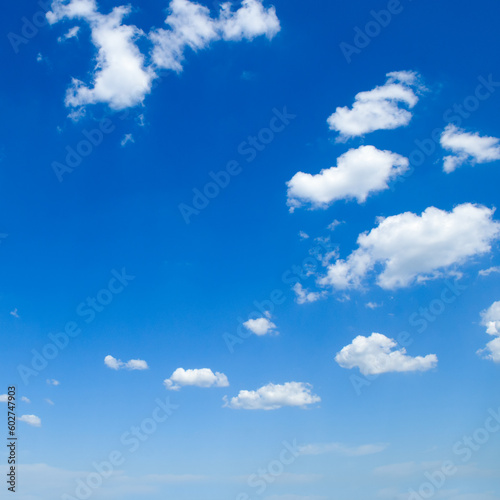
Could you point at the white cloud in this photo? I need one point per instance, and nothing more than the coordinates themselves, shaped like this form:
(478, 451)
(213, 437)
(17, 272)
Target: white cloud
(342, 449)
(14, 313)
(410, 247)
(303, 235)
(49, 401)
(120, 78)
(53, 382)
(378, 109)
(303, 296)
(372, 305)
(359, 173)
(203, 377)
(72, 33)
(490, 270)
(118, 364)
(31, 420)
(25, 399)
(466, 146)
(334, 224)
(376, 354)
(4, 398)
(261, 326)
(491, 319)
(191, 26)
(126, 139)
(273, 397)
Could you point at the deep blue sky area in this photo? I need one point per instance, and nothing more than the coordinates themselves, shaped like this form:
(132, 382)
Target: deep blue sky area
(194, 280)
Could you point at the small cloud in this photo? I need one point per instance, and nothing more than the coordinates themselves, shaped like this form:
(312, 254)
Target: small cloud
(273, 397)
(491, 270)
(31, 420)
(303, 236)
(126, 139)
(303, 296)
(342, 449)
(72, 33)
(203, 377)
(25, 399)
(118, 364)
(53, 382)
(372, 305)
(261, 326)
(49, 401)
(490, 318)
(377, 354)
(141, 120)
(4, 398)
(14, 313)
(39, 57)
(467, 146)
(334, 224)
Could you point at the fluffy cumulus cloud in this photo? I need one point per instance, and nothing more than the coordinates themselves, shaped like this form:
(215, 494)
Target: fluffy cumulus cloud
(118, 364)
(383, 108)
(203, 377)
(191, 26)
(377, 354)
(32, 420)
(122, 75)
(467, 146)
(273, 397)
(491, 319)
(121, 78)
(407, 247)
(359, 173)
(261, 326)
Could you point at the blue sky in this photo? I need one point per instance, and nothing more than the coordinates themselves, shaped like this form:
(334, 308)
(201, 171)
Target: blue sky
(324, 322)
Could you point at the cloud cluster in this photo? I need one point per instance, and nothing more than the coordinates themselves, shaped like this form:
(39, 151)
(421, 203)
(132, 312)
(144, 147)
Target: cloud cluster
(191, 26)
(466, 146)
(379, 108)
(118, 364)
(273, 397)
(376, 354)
(203, 377)
(491, 319)
(359, 173)
(122, 75)
(411, 247)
